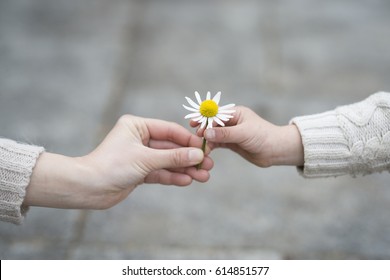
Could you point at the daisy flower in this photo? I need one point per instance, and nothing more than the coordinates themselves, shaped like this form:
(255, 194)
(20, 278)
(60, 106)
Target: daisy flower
(208, 111)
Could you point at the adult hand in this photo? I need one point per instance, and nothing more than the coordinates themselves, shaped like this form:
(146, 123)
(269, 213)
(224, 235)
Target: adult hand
(136, 151)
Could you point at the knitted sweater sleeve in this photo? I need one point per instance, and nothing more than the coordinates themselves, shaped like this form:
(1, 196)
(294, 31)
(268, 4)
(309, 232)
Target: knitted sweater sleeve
(16, 164)
(352, 139)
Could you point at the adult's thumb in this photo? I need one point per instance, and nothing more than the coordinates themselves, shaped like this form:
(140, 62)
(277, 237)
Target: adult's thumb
(176, 158)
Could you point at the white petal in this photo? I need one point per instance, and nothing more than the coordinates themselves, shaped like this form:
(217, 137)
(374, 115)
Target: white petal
(200, 119)
(218, 121)
(210, 123)
(198, 97)
(224, 117)
(227, 116)
(226, 111)
(192, 103)
(208, 95)
(203, 123)
(217, 97)
(190, 109)
(192, 115)
(227, 106)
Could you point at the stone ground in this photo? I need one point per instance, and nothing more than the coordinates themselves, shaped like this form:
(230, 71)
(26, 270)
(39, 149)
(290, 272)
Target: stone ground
(69, 69)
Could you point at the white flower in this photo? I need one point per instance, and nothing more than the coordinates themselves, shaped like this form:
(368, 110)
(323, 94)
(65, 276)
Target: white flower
(208, 111)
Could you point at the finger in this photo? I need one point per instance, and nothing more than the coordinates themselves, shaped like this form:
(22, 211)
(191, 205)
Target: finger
(232, 134)
(200, 132)
(166, 177)
(231, 122)
(168, 131)
(160, 144)
(194, 124)
(200, 175)
(207, 165)
(174, 158)
(165, 145)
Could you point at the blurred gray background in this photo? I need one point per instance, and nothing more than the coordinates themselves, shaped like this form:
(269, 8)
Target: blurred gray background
(70, 68)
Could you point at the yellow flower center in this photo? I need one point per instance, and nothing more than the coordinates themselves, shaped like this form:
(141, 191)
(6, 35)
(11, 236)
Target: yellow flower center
(208, 108)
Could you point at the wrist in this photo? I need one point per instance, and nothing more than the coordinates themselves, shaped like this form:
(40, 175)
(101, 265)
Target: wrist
(61, 182)
(287, 146)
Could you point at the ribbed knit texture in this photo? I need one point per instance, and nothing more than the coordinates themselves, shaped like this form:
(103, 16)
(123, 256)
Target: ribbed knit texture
(16, 164)
(352, 139)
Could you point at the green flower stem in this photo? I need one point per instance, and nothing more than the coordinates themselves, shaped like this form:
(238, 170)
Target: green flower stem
(199, 166)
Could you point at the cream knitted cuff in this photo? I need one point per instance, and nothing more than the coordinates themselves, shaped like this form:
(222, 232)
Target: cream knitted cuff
(326, 150)
(352, 139)
(16, 164)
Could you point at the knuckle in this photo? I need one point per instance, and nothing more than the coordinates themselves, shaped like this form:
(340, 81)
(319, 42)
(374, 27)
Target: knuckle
(224, 133)
(124, 118)
(176, 158)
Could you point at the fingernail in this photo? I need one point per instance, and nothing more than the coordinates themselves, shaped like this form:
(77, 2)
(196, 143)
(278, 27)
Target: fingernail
(195, 155)
(209, 134)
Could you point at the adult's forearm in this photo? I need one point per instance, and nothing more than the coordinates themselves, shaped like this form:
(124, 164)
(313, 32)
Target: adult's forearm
(61, 182)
